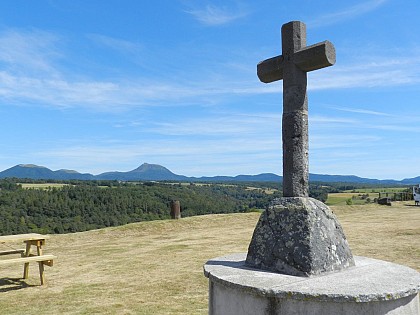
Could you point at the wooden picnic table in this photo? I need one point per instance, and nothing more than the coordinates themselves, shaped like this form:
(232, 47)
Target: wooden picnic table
(31, 239)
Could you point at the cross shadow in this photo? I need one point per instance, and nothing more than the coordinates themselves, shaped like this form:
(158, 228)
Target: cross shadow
(12, 284)
(232, 264)
(236, 265)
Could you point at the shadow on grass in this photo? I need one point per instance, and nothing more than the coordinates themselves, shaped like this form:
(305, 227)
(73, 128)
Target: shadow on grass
(239, 264)
(12, 284)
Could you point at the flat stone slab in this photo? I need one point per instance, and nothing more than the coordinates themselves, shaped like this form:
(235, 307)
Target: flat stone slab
(368, 281)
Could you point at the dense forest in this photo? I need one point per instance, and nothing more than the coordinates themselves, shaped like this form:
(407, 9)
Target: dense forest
(77, 206)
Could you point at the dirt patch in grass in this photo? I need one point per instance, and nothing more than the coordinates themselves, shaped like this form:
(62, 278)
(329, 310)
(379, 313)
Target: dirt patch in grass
(157, 267)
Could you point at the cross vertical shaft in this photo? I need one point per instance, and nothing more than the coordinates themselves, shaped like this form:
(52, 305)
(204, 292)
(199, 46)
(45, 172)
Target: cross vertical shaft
(296, 60)
(295, 114)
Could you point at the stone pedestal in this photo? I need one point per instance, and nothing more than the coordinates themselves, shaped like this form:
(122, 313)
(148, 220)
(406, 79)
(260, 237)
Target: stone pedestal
(372, 287)
(299, 236)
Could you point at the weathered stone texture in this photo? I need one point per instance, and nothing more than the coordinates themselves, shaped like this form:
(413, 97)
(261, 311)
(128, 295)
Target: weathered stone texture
(292, 67)
(299, 236)
(295, 154)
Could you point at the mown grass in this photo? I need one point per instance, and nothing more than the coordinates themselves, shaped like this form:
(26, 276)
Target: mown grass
(156, 267)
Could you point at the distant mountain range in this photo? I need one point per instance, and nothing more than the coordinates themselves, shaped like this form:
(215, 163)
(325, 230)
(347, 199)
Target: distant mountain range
(154, 172)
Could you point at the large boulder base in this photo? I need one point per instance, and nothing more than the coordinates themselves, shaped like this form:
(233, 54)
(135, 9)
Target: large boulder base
(299, 236)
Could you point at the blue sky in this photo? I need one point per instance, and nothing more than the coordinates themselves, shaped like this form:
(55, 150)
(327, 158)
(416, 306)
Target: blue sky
(100, 86)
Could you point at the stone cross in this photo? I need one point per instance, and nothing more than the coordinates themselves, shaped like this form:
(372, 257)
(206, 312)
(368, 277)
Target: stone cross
(297, 235)
(296, 60)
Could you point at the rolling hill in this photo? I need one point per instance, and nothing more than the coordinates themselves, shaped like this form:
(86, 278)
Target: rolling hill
(155, 172)
(40, 172)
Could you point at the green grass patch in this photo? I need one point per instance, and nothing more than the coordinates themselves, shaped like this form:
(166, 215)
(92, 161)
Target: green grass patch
(350, 198)
(376, 190)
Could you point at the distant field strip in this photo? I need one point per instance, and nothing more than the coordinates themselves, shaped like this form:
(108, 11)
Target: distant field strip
(341, 198)
(377, 190)
(43, 185)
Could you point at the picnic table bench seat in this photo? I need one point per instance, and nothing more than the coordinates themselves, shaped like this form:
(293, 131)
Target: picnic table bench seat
(45, 259)
(26, 256)
(13, 251)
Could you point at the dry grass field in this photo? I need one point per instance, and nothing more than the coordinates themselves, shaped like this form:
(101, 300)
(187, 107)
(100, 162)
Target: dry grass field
(156, 267)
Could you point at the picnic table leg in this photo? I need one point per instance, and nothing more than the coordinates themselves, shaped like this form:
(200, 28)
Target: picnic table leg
(38, 244)
(40, 263)
(26, 254)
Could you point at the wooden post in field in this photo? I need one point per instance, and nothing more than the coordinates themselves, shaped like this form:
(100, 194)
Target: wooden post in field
(175, 209)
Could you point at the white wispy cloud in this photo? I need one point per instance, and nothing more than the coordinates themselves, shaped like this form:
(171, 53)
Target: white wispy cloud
(395, 128)
(30, 51)
(361, 111)
(340, 141)
(173, 153)
(212, 15)
(108, 95)
(323, 120)
(129, 50)
(226, 125)
(366, 74)
(347, 13)
(120, 45)
(64, 90)
(30, 73)
(57, 92)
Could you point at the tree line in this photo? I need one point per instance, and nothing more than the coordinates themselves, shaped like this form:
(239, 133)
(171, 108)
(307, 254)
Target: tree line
(85, 205)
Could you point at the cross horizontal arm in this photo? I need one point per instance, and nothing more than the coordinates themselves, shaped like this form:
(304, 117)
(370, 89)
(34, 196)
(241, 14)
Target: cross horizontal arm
(315, 57)
(308, 58)
(271, 70)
